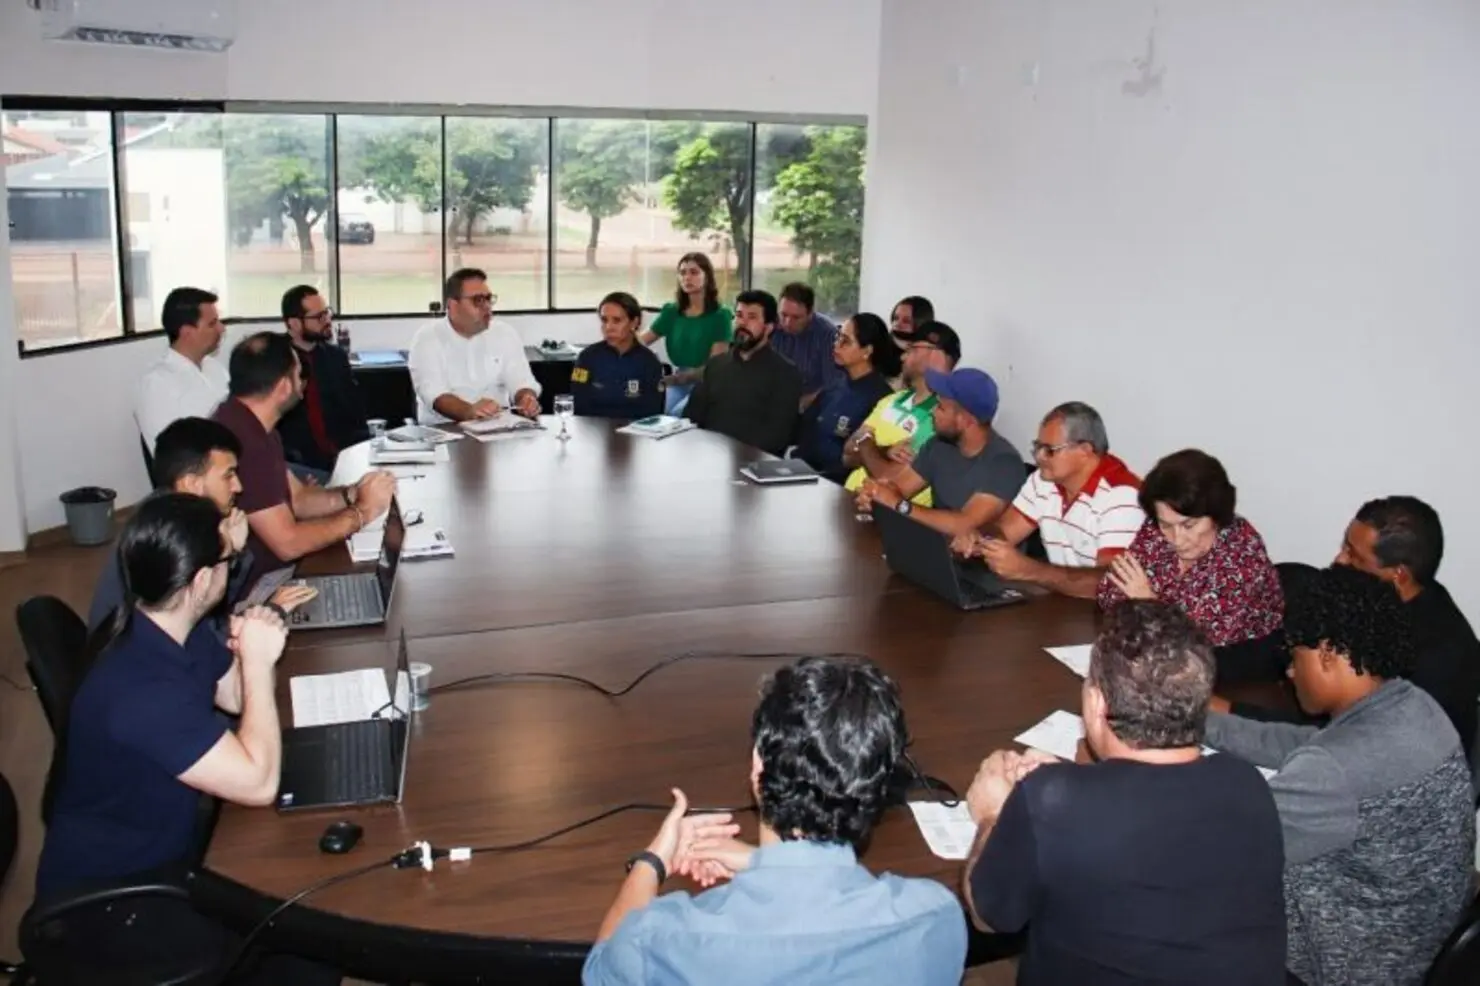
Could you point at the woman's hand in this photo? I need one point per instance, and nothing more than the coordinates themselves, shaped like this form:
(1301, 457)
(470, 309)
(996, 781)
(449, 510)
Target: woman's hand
(1130, 578)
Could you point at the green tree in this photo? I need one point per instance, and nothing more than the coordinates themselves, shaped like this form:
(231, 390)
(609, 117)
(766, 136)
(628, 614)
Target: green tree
(819, 199)
(601, 167)
(276, 169)
(491, 164)
(709, 188)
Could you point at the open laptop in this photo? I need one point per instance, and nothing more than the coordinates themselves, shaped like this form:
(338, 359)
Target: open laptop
(361, 599)
(351, 763)
(924, 557)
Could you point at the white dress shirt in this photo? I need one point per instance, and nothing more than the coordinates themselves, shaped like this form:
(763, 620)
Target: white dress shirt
(176, 388)
(490, 365)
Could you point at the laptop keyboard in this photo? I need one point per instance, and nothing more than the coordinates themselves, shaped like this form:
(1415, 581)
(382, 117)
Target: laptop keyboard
(342, 599)
(356, 767)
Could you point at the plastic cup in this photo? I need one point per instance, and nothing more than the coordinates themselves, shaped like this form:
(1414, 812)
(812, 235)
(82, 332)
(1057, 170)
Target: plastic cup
(421, 683)
(377, 427)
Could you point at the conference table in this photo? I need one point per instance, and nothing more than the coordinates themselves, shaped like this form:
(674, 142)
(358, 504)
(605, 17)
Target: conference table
(601, 556)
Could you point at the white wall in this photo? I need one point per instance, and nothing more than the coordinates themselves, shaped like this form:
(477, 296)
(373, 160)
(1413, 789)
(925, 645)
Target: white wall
(771, 56)
(12, 495)
(1247, 225)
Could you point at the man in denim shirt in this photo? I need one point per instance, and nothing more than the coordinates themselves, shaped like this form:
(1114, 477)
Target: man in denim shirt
(799, 908)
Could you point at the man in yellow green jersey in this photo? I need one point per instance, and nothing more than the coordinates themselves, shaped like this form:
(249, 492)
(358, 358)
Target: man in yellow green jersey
(902, 422)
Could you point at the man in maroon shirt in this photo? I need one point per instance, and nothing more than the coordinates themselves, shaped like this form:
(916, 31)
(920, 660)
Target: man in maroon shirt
(288, 519)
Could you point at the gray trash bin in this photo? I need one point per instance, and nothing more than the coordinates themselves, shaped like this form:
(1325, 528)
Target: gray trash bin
(89, 511)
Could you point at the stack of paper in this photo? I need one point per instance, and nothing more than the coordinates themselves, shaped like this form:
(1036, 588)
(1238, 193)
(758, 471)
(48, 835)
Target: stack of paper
(504, 421)
(422, 433)
(327, 699)
(657, 426)
(422, 542)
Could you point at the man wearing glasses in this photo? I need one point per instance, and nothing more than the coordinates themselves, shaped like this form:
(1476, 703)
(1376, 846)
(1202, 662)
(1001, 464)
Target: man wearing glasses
(467, 366)
(331, 415)
(902, 423)
(1082, 501)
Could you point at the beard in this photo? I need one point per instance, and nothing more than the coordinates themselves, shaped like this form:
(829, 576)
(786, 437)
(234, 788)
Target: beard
(745, 341)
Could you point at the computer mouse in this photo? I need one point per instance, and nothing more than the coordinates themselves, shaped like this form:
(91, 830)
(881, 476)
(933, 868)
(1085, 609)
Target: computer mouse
(340, 837)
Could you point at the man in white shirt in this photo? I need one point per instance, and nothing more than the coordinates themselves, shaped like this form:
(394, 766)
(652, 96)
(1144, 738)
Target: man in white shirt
(187, 382)
(1082, 500)
(467, 366)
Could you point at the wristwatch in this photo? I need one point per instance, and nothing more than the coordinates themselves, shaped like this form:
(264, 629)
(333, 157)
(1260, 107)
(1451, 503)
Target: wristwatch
(904, 507)
(650, 858)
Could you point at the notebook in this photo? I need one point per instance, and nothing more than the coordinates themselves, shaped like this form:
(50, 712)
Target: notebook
(770, 471)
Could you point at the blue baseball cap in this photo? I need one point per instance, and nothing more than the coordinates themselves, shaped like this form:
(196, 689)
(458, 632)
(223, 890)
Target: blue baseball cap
(972, 389)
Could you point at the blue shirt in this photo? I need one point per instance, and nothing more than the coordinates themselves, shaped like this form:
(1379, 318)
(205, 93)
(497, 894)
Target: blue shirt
(811, 350)
(804, 912)
(609, 384)
(144, 714)
(833, 417)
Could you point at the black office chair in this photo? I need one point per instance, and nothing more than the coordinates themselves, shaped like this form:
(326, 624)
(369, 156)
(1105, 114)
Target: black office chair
(1032, 545)
(148, 462)
(1458, 962)
(55, 639)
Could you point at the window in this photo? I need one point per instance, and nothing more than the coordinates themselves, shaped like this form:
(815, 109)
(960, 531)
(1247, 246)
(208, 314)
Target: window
(636, 195)
(112, 205)
(809, 212)
(236, 205)
(389, 199)
(61, 197)
(496, 198)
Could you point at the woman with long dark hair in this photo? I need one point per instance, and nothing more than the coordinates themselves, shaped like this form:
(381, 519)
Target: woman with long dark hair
(868, 358)
(695, 326)
(144, 741)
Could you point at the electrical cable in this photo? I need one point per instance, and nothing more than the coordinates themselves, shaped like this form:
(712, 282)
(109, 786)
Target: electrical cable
(627, 688)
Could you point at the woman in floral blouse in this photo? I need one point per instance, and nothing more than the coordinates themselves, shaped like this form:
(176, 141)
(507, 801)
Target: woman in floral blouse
(1194, 551)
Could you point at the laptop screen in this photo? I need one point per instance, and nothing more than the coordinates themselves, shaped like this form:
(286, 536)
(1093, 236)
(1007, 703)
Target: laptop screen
(404, 721)
(390, 553)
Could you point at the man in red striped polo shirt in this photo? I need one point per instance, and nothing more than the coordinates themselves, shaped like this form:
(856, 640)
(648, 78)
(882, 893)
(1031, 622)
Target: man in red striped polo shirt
(1082, 501)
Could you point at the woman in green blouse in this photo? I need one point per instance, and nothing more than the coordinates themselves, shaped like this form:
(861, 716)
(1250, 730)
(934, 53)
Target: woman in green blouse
(696, 327)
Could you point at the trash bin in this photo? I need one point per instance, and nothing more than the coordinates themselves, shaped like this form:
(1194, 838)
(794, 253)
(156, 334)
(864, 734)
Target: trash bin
(89, 511)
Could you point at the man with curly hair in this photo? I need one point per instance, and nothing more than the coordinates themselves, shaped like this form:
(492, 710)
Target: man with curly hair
(828, 737)
(1154, 864)
(1377, 808)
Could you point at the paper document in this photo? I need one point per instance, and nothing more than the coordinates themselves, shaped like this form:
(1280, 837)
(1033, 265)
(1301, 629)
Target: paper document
(1075, 658)
(1059, 734)
(501, 422)
(424, 433)
(421, 542)
(349, 696)
(507, 436)
(948, 832)
(657, 426)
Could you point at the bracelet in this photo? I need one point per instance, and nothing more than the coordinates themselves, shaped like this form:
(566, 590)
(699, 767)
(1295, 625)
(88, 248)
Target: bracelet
(359, 518)
(652, 860)
(282, 613)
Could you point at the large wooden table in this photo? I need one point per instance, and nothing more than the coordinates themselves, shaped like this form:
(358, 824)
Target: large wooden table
(600, 557)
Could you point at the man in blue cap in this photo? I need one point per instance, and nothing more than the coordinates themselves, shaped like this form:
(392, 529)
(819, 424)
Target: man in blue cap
(973, 472)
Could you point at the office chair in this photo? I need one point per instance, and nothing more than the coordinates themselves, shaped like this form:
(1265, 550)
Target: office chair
(148, 462)
(1458, 962)
(55, 639)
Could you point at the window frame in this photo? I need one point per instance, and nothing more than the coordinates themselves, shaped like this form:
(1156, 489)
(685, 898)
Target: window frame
(118, 108)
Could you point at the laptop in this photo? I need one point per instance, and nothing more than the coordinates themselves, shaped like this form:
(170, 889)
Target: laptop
(770, 471)
(924, 557)
(351, 763)
(361, 599)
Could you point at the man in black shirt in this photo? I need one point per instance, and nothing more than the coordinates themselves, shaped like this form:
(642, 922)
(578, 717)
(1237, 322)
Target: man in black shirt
(751, 393)
(331, 415)
(1153, 865)
(1400, 540)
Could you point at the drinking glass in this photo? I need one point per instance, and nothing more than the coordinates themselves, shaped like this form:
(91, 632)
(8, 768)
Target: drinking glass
(565, 409)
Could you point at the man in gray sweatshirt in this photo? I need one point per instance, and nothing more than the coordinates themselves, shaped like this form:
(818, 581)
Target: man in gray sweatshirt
(1376, 807)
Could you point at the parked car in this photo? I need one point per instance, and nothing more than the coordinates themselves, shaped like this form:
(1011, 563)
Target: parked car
(355, 228)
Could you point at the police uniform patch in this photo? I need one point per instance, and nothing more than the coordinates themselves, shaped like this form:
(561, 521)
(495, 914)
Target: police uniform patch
(580, 375)
(634, 388)
(841, 428)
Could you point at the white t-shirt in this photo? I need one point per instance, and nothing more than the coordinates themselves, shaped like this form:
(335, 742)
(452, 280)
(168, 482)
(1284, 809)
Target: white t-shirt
(490, 365)
(176, 388)
(1103, 518)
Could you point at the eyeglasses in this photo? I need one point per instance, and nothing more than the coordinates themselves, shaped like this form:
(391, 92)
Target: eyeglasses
(324, 316)
(481, 299)
(1049, 451)
(845, 340)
